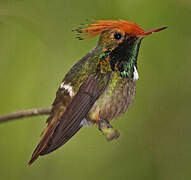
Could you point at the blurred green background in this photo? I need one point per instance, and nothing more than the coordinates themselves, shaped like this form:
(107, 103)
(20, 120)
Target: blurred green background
(37, 48)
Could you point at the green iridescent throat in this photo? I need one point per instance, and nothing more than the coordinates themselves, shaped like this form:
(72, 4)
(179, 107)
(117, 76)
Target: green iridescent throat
(128, 66)
(121, 60)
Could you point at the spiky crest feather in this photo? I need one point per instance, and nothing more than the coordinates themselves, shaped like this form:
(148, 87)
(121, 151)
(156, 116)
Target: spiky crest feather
(98, 26)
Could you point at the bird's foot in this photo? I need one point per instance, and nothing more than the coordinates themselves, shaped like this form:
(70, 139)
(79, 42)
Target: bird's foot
(109, 132)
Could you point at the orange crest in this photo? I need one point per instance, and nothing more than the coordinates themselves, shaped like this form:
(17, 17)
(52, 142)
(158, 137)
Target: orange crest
(99, 26)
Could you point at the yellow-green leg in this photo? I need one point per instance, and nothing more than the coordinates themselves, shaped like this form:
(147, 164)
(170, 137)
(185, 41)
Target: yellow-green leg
(108, 131)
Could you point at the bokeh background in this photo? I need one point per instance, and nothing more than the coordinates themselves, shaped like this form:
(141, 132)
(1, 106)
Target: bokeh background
(37, 48)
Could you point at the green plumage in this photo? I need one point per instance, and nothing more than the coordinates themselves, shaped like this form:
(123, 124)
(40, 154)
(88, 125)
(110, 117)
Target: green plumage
(98, 88)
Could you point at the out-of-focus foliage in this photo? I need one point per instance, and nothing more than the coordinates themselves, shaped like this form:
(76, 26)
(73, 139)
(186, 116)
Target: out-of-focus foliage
(37, 48)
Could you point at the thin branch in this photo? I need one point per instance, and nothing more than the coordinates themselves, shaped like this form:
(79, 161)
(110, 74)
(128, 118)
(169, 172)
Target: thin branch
(25, 113)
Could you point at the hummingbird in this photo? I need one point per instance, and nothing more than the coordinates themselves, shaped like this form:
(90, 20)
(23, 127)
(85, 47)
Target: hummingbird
(99, 87)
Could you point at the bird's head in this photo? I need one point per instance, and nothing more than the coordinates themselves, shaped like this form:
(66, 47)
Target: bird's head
(121, 39)
(115, 32)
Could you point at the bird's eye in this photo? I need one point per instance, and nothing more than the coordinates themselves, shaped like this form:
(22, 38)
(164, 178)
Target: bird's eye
(117, 36)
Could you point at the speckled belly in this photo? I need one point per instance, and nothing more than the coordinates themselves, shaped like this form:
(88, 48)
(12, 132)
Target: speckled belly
(115, 100)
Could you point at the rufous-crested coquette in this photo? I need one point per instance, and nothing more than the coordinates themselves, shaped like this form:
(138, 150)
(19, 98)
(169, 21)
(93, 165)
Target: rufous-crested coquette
(99, 87)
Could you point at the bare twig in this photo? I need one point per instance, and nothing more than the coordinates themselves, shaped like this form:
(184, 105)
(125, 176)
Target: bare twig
(25, 113)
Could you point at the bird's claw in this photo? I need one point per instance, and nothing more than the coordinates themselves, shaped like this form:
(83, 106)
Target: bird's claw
(110, 133)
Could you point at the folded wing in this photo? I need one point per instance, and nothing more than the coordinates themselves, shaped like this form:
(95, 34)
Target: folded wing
(70, 122)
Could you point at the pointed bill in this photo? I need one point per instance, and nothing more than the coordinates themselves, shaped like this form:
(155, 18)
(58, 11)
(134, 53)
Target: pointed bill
(152, 31)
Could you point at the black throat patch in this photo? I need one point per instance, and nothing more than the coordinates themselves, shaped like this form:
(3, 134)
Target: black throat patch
(124, 57)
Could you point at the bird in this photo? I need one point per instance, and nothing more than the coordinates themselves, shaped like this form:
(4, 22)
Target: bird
(99, 87)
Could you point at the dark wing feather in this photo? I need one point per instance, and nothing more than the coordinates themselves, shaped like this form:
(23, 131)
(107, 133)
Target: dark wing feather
(70, 121)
